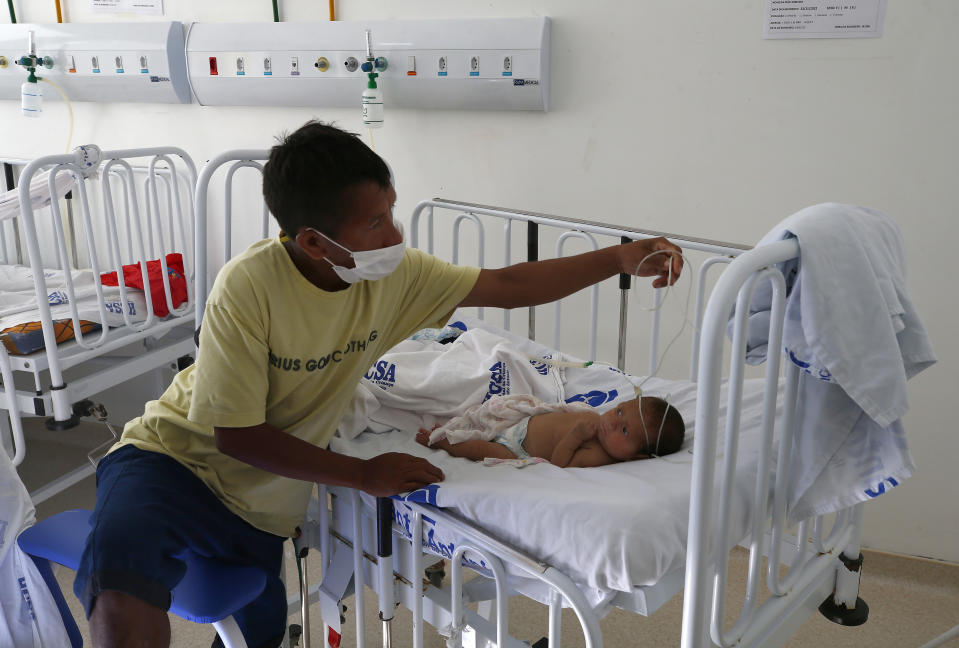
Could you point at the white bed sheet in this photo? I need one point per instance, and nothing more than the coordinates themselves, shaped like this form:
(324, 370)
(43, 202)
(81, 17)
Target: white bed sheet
(18, 300)
(610, 528)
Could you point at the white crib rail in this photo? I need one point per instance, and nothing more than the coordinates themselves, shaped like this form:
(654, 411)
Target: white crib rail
(702, 540)
(573, 228)
(115, 164)
(240, 158)
(12, 407)
(441, 608)
(814, 558)
(593, 295)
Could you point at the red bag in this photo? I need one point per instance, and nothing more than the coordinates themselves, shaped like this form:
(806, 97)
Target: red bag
(133, 278)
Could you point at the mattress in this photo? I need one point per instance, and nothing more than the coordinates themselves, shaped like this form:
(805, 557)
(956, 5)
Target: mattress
(20, 314)
(610, 528)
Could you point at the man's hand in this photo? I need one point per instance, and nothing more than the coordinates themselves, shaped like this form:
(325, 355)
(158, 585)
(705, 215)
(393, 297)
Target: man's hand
(665, 256)
(542, 282)
(395, 472)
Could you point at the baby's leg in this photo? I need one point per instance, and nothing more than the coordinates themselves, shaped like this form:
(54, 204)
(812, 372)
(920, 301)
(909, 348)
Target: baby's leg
(475, 449)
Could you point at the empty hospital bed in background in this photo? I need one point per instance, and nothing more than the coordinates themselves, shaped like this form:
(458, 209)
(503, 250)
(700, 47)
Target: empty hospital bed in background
(96, 297)
(723, 488)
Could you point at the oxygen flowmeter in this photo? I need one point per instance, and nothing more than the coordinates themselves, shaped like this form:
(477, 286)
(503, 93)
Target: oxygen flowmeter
(372, 95)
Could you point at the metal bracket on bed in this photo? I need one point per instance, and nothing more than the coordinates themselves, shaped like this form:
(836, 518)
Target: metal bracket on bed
(834, 608)
(80, 409)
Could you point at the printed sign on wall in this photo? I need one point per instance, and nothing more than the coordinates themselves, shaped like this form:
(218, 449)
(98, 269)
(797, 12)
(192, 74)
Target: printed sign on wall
(824, 18)
(144, 7)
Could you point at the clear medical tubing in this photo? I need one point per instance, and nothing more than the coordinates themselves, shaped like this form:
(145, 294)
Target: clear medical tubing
(700, 540)
(66, 100)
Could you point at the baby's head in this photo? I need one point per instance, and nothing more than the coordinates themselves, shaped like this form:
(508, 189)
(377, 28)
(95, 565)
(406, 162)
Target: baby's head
(628, 433)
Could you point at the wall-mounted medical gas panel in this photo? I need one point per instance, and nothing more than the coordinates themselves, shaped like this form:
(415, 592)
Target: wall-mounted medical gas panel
(500, 64)
(138, 62)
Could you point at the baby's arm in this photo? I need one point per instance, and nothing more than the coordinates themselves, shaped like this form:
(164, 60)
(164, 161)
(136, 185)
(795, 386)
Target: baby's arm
(569, 444)
(590, 456)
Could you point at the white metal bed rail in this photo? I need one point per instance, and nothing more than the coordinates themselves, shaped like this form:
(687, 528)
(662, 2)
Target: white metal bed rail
(398, 577)
(110, 164)
(240, 158)
(12, 408)
(572, 228)
(815, 559)
(11, 244)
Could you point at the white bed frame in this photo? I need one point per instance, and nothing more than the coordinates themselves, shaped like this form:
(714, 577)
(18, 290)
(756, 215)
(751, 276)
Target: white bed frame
(138, 206)
(358, 548)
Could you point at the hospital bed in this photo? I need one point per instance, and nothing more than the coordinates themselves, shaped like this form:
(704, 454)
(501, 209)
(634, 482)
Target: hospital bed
(721, 490)
(71, 336)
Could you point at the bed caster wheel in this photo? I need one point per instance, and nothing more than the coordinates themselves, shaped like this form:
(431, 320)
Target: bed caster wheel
(80, 409)
(183, 362)
(54, 425)
(842, 615)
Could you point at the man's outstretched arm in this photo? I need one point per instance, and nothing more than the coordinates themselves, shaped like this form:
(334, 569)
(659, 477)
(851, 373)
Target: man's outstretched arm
(541, 282)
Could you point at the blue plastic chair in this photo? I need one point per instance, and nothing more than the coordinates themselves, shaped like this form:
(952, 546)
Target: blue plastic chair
(210, 592)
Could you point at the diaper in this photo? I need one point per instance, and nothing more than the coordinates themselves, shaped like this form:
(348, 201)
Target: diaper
(512, 438)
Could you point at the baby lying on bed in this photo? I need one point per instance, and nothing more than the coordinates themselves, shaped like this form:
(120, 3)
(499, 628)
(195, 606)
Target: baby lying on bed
(564, 434)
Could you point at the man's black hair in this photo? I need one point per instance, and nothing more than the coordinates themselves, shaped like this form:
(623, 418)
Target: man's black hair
(308, 172)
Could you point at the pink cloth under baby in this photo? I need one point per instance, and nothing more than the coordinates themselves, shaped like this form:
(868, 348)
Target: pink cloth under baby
(486, 420)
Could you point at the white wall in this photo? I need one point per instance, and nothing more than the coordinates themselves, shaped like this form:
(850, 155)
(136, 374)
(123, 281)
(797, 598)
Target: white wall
(671, 115)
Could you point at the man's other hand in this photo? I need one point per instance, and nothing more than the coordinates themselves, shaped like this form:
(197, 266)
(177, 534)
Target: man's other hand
(396, 472)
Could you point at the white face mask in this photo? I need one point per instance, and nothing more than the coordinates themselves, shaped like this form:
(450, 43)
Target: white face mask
(370, 265)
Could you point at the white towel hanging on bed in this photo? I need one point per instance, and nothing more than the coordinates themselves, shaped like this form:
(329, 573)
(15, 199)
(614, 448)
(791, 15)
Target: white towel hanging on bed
(853, 330)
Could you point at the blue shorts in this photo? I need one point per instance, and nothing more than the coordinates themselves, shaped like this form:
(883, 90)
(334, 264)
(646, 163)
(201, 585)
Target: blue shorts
(150, 508)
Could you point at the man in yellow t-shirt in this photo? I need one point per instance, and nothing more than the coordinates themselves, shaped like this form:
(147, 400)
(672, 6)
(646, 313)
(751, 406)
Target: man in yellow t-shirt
(224, 462)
